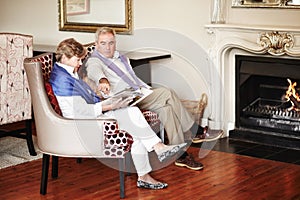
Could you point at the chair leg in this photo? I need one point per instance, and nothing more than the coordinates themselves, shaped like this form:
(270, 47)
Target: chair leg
(128, 163)
(162, 132)
(122, 179)
(44, 178)
(29, 137)
(54, 166)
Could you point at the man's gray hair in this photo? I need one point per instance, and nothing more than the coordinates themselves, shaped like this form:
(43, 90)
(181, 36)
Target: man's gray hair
(104, 30)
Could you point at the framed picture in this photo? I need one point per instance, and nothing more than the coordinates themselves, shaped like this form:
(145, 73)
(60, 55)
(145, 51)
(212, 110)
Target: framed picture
(85, 15)
(77, 7)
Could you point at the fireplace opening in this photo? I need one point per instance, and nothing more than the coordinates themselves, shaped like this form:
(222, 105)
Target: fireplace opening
(261, 102)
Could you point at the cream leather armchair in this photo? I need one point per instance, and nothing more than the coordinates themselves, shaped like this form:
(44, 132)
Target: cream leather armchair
(61, 137)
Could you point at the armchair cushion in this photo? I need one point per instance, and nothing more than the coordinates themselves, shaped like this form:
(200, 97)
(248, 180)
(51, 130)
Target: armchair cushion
(52, 98)
(152, 119)
(116, 142)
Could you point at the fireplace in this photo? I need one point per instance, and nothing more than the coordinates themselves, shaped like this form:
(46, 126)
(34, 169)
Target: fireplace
(254, 64)
(261, 106)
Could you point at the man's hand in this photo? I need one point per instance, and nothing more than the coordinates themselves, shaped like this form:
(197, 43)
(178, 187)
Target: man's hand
(104, 86)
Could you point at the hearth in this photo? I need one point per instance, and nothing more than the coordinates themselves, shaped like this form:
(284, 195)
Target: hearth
(263, 112)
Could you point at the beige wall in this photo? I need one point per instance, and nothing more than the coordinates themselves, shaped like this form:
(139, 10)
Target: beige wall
(40, 18)
(183, 20)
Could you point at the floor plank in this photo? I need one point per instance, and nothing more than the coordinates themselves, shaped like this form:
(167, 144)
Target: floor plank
(225, 176)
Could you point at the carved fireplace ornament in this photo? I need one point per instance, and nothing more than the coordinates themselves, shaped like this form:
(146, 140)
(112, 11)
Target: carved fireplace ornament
(276, 43)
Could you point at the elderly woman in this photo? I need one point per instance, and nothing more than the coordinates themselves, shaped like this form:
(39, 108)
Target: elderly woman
(77, 100)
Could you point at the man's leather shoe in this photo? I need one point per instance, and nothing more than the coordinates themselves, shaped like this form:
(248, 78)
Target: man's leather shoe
(189, 162)
(208, 135)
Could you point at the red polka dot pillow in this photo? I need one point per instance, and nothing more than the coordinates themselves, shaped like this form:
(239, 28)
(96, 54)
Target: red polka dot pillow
(52, 98)
(116, 142)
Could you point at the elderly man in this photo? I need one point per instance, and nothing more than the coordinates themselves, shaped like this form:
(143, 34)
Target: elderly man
(112, 72)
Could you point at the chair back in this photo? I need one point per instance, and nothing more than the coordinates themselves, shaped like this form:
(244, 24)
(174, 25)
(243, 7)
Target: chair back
(15, 99)
(90, 47)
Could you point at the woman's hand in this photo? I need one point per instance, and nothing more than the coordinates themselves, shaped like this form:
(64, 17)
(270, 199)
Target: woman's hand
(121, 103)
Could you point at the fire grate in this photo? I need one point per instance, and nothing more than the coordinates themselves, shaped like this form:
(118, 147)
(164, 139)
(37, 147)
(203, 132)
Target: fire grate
(276, 109)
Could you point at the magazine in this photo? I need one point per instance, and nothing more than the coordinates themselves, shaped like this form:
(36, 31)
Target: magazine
(137, 95)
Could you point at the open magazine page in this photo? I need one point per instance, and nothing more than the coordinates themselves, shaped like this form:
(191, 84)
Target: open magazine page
(144, 93)
(137, 95)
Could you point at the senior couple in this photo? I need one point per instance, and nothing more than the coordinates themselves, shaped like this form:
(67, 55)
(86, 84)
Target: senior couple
(108, 71)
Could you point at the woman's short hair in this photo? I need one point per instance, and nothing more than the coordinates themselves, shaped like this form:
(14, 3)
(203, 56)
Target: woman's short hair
(69, 47)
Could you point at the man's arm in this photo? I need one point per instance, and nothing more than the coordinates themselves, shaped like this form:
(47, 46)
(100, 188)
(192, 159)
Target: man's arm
(95, 72)
(94, 69)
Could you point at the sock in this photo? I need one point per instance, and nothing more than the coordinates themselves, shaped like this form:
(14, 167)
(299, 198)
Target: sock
(185, 154)
(196, 129)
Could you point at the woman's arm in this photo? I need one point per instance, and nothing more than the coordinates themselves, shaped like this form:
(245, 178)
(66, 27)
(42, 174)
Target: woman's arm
(76, 107)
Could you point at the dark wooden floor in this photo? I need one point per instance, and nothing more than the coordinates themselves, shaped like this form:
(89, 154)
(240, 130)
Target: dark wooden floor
(253, 149)
(225, 176)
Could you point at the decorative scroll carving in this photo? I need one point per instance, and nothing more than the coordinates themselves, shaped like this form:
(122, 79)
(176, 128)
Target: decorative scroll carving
(276, 43)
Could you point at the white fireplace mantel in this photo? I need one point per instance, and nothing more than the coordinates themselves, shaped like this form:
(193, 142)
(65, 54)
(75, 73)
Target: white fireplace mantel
(230, 40)
(247, 37)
